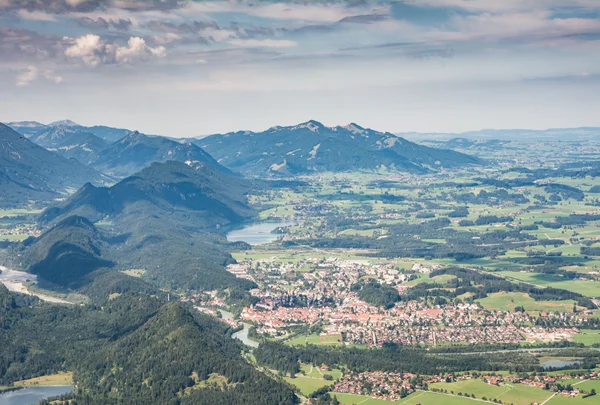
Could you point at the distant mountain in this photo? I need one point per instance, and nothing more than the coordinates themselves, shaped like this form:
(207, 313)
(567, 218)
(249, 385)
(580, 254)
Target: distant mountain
(30, 172)
(313, 147)
(64, 123)
(137, 151)
(71, 142)
(67, 252)
(473, 144)
(27, 128)
(108, 134)
(195, 193)
(521, 135)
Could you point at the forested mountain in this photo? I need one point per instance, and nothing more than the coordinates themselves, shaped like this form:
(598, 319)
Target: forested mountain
(30, 172)
(67, 252)
(136, 151)
(197, 194)
(159, 220)
(133, 349)
(70, 142)
(311, 147)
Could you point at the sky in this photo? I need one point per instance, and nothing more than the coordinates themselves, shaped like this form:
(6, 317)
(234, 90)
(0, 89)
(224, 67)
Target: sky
(187, 68)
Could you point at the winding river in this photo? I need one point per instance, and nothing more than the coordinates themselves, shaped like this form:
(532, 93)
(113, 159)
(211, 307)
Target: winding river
(241, 335)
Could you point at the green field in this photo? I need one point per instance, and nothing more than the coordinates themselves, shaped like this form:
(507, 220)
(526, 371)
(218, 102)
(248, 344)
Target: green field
(352, 399)
(314, 339)
(517, 394)
(510, 300)
(589, 288)
(308, 385)
(587, 337)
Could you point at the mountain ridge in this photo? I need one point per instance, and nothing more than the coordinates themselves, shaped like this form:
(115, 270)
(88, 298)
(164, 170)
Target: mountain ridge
(31, 172)
(312, 147)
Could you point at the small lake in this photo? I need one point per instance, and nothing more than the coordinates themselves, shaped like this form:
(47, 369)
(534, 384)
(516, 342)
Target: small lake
(32, 395)
(559, 363)
(257, 234)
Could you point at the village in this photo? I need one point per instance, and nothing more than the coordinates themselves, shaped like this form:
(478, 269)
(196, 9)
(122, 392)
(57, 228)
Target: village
(393, 386)
(318, 292)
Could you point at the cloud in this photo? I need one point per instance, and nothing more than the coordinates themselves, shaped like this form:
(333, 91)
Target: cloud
(65, 6)
(32, 73)
(264, 43)
(93, 51)
(137, 50)
(121, 24)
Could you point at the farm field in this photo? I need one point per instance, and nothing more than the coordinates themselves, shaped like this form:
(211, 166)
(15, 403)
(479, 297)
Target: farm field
(517, 394)
(308, 385)
(510, 300)
(587, 337)
(588, 288)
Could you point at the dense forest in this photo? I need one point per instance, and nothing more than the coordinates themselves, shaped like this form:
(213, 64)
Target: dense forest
(134, 349)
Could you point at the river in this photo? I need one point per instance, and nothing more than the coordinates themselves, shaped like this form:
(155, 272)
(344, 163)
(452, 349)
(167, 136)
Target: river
(15, 281)
(241, 335)
(33, 395)
(257, 234)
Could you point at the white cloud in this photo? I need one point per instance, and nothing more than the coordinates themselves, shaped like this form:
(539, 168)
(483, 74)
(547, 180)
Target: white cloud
(264, 43)
(32, 74)
(35, 15)
(93, 51)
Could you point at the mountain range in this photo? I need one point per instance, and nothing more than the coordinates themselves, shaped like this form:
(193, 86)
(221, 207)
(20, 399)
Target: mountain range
(533, 135)
(33, 128)
(70, 142)
(30, 172)
(136, 151)
(313, 147)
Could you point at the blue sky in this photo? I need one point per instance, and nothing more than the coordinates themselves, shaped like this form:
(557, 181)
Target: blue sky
(187, 68)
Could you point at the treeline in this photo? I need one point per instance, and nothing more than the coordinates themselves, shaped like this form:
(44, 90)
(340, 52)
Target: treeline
(481, 284)
(391, 358)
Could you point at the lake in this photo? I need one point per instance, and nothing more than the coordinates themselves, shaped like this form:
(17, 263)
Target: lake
(257, 234)
(32, 395)
(559, 363)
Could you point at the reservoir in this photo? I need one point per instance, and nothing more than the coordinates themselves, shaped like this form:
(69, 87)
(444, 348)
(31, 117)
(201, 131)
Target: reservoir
(33, 395)
(257, 234)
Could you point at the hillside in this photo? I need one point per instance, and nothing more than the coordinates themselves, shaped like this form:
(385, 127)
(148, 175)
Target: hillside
(30, 172)
(134, 349)
(136, 151)
(159, 221)
(70, 142)
(196, 194)
(67, 252)
(313, 147)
